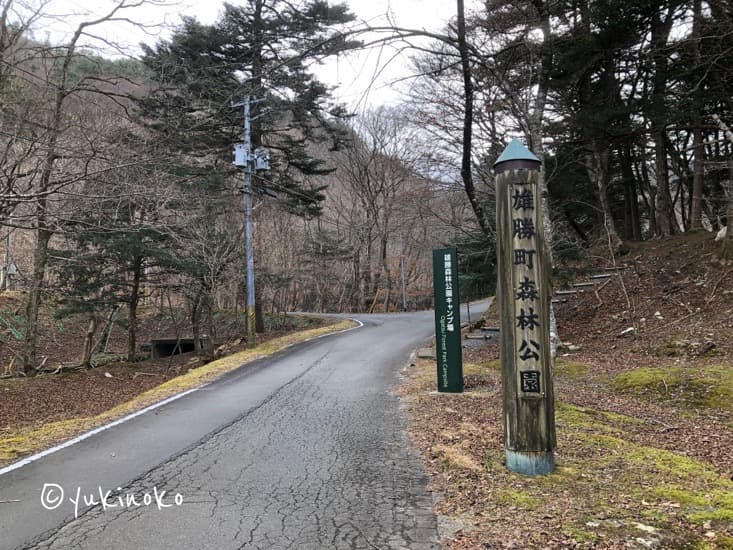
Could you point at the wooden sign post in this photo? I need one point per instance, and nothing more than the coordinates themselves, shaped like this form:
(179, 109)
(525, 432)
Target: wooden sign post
(447, 321)
(524, 307)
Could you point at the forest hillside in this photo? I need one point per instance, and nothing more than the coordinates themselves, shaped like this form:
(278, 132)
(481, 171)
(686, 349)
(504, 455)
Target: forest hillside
(644, 414)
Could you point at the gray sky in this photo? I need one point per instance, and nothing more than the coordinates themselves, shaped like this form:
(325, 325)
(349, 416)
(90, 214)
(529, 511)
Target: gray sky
(368, 77)
(362, 77)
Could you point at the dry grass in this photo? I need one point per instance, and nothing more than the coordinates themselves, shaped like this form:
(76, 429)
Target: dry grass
(21, 442)
(614, 485)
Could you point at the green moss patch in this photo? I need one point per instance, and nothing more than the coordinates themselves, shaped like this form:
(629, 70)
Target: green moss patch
(571, 370)
(473, 369)
(613, 486)
(710, 387)
(580, 535)
(518, 499)
(670, 466)
(491, 366)
(597, 421)
(716, 505)
(682, 348)
(620, 490)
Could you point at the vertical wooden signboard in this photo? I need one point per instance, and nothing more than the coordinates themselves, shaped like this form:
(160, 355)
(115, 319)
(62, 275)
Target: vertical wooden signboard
(447, 321)
(524, 302)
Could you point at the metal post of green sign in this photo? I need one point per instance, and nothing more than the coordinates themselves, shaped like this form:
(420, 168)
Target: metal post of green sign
(524, 307)
(447, 320)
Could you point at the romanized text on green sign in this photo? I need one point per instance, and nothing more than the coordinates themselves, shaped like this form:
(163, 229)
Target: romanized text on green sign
(447, 321)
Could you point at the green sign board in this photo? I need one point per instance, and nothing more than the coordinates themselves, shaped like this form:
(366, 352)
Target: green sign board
(447, 320)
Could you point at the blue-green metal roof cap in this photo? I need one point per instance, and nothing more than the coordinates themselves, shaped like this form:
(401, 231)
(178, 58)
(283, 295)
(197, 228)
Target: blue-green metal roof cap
(516, 151)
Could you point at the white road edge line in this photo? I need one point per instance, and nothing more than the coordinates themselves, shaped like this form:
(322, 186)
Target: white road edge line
(86, 435)
(73, 441)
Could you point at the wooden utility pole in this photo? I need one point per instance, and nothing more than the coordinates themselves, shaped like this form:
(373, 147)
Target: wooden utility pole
(524, 305)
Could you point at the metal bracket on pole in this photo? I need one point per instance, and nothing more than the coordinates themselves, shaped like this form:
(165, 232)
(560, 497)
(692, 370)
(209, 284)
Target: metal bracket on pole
(251, 162)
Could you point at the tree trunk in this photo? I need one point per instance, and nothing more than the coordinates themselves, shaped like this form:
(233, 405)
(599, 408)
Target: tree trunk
(43, 231)
(356, 299)
(631, 200)
(466, 162)
(726, 252)
(680, 196)
(196, 323)
(104, 338)
(210, 341)
(597, 166)
(387, 274)
(33, 305)
(697, 180)
(651, 201)
(86, 359)
(259, 314)
(132, 310)
(367, 290)
(698, 147)
(660, 29)
(665, 215)
(537, 147)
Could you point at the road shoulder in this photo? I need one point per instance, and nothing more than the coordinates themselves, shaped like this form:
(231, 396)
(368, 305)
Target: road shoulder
(20, 444)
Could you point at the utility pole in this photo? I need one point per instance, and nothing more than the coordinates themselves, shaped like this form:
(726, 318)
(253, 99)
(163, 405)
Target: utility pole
(9, 268)
(244, 157)
(402, 271)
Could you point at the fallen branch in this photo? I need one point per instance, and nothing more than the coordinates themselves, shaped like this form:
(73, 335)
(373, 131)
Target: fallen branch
(60, 369)
(144, 374)
(707, 302)
(9, 368)
(715, 288)
(667, 427)
(682, 318)
(597, 290)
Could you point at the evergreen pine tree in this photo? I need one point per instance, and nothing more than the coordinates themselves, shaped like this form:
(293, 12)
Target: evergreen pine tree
(261, 49)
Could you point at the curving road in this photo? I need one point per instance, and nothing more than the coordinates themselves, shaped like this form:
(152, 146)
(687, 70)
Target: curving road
(303, 450)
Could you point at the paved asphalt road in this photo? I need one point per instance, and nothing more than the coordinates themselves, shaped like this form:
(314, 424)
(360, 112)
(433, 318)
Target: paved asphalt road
(304, 450)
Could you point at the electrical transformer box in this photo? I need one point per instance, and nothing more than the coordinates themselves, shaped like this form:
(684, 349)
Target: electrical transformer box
(240, 155)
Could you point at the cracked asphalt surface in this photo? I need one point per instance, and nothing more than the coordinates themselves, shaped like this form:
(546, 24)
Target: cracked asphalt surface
(309, 452)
